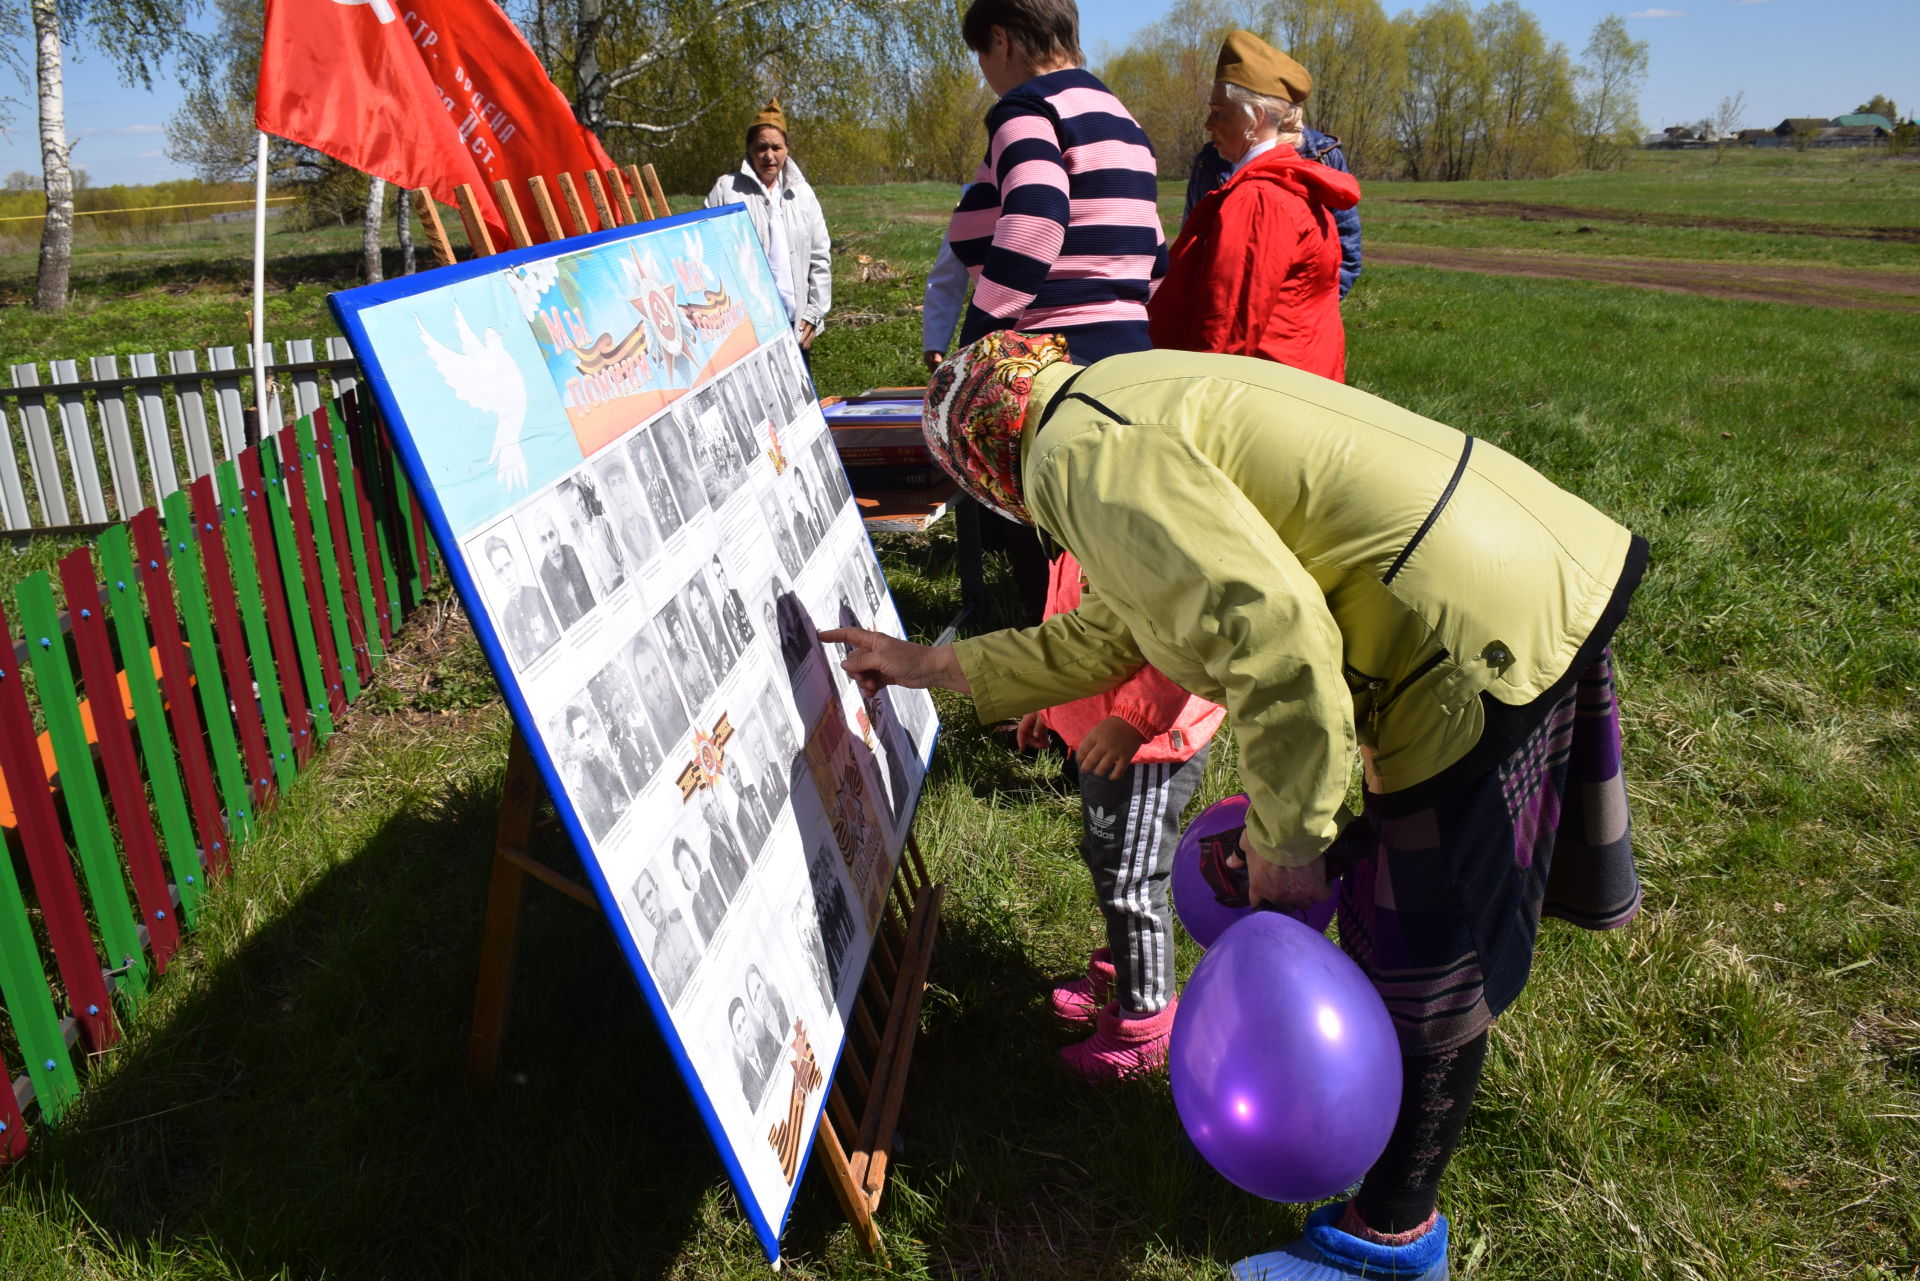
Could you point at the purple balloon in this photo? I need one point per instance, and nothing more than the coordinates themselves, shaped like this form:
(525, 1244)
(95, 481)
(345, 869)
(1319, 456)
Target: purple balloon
(1203, 914)
(1285, 1066)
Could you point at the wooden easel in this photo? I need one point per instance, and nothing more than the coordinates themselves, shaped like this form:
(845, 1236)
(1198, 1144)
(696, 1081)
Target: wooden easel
(866, 1099)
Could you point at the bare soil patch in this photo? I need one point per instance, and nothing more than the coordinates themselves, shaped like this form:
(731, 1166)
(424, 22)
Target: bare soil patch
(1641, 218)
(1846, 287)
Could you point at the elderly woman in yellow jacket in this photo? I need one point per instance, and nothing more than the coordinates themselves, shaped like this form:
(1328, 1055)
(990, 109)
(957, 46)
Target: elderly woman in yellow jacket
(1340, 573)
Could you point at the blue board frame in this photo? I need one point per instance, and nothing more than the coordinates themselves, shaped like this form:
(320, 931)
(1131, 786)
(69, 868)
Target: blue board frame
(457, 521)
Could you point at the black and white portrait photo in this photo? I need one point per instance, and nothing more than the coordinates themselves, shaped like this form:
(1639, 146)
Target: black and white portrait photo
(666, 710)
(779, 529)
(796, 631)
(806, 927)
(668, 494)
(832, 471)
(593, 532)
(585, 760)
(802, 384)
(634, 748)
(703, 623)
(703, 894)
(756, 1054)
(721, 469)
(727, 854)
(755, 807)
(773, 405)
(558, 565)
(734, 616)
(665, 938)
(831, 910)
(685, 653)
(740, 410)
(628, 510)
(520, 613)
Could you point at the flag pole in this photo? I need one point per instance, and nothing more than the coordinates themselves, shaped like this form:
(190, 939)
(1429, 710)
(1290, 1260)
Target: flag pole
(259, 292)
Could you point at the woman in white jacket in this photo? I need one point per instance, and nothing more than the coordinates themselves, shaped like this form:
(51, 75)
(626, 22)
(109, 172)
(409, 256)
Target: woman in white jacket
(787, 216)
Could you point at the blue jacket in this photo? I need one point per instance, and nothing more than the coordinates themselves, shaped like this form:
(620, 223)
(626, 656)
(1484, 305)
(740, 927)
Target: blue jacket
(1209, 171)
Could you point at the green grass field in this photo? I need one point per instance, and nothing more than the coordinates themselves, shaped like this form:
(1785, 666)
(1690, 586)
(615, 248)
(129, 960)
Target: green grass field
(1728, 1089)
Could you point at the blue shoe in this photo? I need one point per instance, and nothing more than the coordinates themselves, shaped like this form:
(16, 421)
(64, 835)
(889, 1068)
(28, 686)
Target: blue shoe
(1325, 1253)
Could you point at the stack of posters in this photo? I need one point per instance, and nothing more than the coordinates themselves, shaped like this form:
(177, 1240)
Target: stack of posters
(619, 449)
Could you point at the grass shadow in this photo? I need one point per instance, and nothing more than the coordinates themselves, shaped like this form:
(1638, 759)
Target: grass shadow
(300, 1108)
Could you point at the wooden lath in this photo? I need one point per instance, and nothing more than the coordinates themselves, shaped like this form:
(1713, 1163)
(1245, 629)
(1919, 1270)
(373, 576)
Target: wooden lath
(617, 197)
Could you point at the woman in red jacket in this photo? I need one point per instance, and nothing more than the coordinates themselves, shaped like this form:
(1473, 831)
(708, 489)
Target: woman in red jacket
(1256, 270)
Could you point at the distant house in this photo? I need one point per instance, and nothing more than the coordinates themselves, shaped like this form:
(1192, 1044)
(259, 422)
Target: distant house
(1851, 136)
(1808, 126)
(1751, 137)
(1859, 119)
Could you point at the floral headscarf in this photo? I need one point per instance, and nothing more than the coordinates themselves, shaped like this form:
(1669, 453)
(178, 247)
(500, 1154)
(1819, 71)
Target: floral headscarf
(974, 406)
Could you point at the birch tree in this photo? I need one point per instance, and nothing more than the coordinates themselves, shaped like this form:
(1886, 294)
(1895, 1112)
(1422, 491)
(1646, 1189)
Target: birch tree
(137, 35)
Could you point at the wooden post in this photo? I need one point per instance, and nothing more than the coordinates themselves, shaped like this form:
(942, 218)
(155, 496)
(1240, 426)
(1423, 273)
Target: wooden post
(597, 189)
(619, 190)
(436, 230)
(476, 226)
(510, 210)
(543, 208)
(571, 194)
(640, 192)
(659, 196)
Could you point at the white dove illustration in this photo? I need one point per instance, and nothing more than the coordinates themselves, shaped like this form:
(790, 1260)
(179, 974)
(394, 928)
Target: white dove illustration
(485, 376)
(752, 272)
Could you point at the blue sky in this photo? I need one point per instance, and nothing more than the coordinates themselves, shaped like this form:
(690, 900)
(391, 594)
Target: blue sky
(1790, 57)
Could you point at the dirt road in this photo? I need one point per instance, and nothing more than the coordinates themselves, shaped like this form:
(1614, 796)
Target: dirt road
(1851, 287)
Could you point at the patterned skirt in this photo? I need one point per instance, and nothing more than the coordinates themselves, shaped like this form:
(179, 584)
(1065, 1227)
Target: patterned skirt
(1444, 901)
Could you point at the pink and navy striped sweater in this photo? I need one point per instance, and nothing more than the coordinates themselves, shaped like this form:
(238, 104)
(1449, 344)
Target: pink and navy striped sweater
(1060, 229)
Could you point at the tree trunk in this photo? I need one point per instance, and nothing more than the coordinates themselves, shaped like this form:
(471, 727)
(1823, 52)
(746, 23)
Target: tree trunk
(590, 87)
(370, 229)
(403, 216)
(56, 233)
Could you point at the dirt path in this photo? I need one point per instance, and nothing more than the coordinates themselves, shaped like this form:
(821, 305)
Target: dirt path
(1568, 213)
(1847, 287)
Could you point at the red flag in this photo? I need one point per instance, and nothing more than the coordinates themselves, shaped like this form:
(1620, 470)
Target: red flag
(440, 93)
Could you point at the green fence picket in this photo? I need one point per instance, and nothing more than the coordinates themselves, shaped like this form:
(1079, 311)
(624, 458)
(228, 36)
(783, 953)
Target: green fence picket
(24, 985)
(342, 451)
(197, 615)
(403, 505)
(93, 835)
(304, 641)
(329, 567)
(150, 720)
(253, 618)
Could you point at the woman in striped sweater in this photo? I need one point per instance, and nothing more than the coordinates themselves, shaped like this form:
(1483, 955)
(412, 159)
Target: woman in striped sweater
(1060, 229)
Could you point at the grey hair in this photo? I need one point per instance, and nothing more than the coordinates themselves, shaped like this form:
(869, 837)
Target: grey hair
(1286, 116)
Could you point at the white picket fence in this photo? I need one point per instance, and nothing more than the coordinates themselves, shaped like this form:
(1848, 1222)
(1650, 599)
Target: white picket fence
(146, 432)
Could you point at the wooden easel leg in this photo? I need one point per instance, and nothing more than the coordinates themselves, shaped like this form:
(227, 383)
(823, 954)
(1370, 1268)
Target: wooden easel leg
(854, 1203)
(494, 990)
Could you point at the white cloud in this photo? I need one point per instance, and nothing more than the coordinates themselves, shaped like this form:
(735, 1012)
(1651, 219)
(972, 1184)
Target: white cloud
(151, 155)
(1659, 13)
(125, 131)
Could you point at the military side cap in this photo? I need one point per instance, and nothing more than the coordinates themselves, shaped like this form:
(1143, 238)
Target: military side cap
(1250, 62)
(772, 115)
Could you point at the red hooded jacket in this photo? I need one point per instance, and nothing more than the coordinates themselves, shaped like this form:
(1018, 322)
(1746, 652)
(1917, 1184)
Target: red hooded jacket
(1256, 270)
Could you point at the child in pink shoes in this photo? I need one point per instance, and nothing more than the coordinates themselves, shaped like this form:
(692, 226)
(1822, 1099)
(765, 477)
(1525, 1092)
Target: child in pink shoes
(1140, 751)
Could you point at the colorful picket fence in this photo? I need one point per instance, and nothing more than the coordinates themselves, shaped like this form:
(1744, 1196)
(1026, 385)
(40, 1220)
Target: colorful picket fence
(155, 701)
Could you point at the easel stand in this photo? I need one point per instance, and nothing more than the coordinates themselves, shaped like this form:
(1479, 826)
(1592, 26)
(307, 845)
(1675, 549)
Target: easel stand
(866, 1100)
